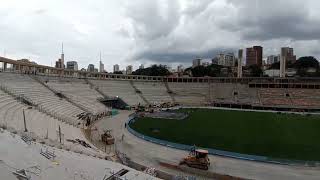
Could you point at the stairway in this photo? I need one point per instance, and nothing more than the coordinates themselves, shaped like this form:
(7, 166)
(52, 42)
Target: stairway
(259, 98)
(290, 98)
(139, 93)
(170, 92)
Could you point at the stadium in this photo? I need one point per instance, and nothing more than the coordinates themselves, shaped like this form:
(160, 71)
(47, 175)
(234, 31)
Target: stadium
(253, 128)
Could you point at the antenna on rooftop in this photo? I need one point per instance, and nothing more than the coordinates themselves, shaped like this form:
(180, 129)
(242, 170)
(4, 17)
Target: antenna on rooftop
(62, 49)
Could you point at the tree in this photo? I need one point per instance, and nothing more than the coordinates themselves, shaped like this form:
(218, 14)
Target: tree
(212, 70)
(117, 72)
(304, 63)
(199, 71)
(255, 71)
(276, 65)
(307, 62)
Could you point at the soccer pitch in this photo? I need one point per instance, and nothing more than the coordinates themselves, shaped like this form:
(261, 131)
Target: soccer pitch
(288, 136)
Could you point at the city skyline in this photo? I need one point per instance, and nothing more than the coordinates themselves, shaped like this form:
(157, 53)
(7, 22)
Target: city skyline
(228, 59)
(173, 32)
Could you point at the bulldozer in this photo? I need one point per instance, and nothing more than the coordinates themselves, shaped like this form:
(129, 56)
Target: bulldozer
(107, 137)
(197, 158)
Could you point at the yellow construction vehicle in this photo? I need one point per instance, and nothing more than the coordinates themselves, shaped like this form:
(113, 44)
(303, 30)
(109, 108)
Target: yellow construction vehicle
(197, 158)
(107, 137)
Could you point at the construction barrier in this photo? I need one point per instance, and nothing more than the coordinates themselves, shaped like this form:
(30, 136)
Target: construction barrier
(219, 152)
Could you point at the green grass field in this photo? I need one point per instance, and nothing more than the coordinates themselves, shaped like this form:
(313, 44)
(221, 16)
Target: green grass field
(274, 135)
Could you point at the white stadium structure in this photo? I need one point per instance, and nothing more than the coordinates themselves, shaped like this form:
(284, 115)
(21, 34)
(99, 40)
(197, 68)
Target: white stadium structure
(41, 108)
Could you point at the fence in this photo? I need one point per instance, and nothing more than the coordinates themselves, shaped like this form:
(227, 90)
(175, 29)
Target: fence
(220, 152)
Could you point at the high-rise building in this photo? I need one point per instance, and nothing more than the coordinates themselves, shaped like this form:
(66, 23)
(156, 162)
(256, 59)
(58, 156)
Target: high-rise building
(90, 68)
(215, 60)
(116, 68)
(254, 56)
(60, 62)
(273, 59)
(62, 58)
(72, 65)
(226, 59)
(288, 54)
(180, 68)
(196, 62)
(141, 66)
(101, 67)
(129, 69)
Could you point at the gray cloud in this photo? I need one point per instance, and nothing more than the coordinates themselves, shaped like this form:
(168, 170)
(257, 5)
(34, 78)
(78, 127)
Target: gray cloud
(296, 28)
(273, 19)
(161, 31)
(163, 57)
(153, 19)
(206, 25)
(195, 7)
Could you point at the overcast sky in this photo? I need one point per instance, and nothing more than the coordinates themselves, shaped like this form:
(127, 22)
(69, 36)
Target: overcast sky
(154, 31)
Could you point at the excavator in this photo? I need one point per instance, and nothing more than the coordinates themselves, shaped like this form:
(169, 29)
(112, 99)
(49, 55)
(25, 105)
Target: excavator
(107, 137)
(197, 158)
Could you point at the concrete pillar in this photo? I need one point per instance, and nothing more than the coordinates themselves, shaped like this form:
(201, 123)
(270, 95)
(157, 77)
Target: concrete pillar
(282, 67)
(17, 67)
(4, 66)
(240, 68)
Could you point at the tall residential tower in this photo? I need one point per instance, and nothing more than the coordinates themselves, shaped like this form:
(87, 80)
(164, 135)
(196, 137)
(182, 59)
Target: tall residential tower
(254, 56)
(101, 65)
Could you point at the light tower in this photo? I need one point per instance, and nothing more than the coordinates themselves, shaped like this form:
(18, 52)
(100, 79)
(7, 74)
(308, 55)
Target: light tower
(282, 66)
(240, 57)
(283, 60)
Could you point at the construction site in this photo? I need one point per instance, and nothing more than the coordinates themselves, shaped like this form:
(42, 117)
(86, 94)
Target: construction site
(58, 124)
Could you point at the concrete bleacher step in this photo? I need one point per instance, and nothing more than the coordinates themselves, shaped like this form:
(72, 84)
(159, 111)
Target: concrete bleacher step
(140, 94)
(170, 92)
(154, 92)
